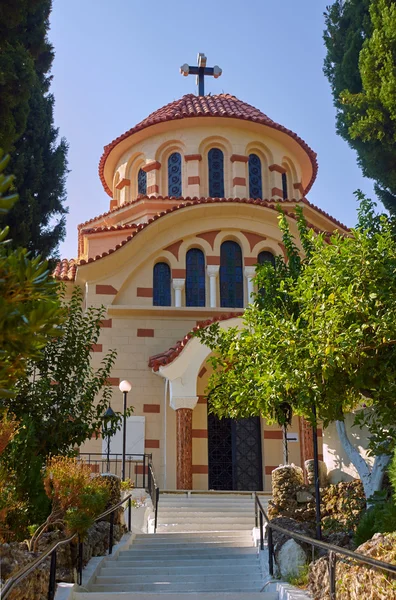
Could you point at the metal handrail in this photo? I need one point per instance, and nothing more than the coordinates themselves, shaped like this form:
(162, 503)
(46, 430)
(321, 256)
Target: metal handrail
(154, 492)
(332, 549)
(25, 571)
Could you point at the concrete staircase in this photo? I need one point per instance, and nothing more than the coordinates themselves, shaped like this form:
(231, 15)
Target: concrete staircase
(203, 548)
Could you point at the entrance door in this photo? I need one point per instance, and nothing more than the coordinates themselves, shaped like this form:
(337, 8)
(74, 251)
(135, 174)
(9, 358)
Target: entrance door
(234, 454)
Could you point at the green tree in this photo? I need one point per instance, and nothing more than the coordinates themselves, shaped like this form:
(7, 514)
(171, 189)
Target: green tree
(360, 66)
(323, 338)
(30, 311)
(26, 126)
(60, 401)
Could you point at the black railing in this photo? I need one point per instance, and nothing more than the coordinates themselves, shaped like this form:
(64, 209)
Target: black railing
(20, 576)
(136, 465)
(331, 549)
(154, 492)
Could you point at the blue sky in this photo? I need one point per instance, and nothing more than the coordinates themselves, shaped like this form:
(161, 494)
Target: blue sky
(117, 61)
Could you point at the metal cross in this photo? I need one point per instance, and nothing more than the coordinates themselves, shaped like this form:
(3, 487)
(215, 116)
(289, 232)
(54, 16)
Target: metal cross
(200, 71)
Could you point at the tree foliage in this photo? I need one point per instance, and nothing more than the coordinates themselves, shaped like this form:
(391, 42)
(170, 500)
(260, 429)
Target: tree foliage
(360, 66)
(26, 126)
(321, 334)
(30, 311)
(60, 401)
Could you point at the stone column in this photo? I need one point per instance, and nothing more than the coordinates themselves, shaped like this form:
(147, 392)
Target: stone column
(212, 271)
(178, 285)
(250, 272)
(184, 409)
(277, 189)
(123, 186)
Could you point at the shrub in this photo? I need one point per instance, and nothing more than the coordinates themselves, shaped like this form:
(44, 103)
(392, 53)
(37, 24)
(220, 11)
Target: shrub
(381, 518)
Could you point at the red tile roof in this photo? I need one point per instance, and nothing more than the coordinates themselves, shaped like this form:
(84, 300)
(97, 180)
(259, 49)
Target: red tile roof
(69, 267)
(65, 270)
(221, 105)
(159, 360)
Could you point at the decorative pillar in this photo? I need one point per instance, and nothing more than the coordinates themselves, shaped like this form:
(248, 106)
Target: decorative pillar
(184, 409)
(277, 189)
(193, 178)
(178, 285)
(250, 272)
(239, 184)
(212, 271)
(152, 170)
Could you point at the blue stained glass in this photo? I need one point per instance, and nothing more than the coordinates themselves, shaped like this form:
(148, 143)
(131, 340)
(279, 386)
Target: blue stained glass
(255, 177)
(266, 256)
(161, 285)
(284, 186)
(142, 182)
(231, 275)
(174, 175)
(195, 278)
(216, 173)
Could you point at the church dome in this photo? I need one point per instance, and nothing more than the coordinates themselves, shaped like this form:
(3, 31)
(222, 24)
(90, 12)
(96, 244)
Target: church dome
(192, 106)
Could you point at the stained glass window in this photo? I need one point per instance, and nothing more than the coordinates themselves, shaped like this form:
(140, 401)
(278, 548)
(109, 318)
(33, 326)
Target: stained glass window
(284, 186)
(216, 173)
(266, 256)
(142, 182)
(174, 175)
(231, 276)
(255, 180)
(161, 285)
(195, 278)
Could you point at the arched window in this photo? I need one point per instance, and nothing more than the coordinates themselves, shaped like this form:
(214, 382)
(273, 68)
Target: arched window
(161, 285)
(142, 182)
(255, 179)
(174, 175)
(216, 173)
(231, 276)
(284, 186)
(195, 278)
(266, 256)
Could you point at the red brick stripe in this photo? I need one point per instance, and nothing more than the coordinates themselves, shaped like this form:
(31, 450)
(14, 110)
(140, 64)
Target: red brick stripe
(268, 470)
(272, 434)
(152, 189)
(202, 400)
(192, 157)
(142, 292)
(203, 370)
(277, 168)
(193, 180)
(152, 443)
(178, 273)
(151, 166)
(106, 289)
(106, 323)
(239, 181)
(145, 332)
(213, 260)
(250, 261)
(113, 380)
(239, 158)
(200, 469)
(151, 408)
(97, 348)
(277, 192)
(200, 433)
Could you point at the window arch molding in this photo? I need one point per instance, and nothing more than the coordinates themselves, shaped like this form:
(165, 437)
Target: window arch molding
(162, 156)
(266, 158)
(135, 163)
(205, 146)
(162, 282)
(225, 236)
(195, 284)
(267, 246)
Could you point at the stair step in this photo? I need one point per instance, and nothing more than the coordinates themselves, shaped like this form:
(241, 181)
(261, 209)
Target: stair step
(184, 527)
(245, 578)
(213, 561)
(178, 571)
(191, 536)
(179, 596)
(193, 550)
(179, 545)
(253, 586)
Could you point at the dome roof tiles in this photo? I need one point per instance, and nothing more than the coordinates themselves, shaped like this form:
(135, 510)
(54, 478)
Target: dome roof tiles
(221, 105)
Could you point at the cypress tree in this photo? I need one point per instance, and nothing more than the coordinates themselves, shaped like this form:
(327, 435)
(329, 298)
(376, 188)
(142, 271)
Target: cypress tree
(39, 160)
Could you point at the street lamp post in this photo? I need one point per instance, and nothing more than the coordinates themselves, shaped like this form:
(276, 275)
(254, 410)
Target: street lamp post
(107, 432)
(125, 387)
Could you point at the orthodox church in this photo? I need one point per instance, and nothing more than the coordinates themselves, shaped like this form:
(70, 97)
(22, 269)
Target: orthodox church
(193, 191)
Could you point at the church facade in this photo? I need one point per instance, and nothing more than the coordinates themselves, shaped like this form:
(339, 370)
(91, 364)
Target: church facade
(193, 192)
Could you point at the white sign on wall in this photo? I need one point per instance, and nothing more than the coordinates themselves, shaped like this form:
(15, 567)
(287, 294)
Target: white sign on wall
(134, 438)
(292, 437)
